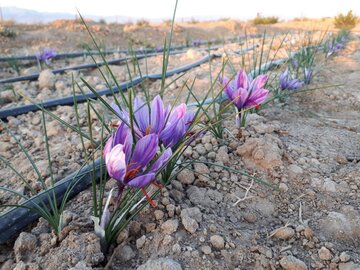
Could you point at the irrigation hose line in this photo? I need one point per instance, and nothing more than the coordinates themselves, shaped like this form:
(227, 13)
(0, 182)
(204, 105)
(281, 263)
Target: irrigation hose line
(14, 220)
(69, 100)
(35, 76)
(139, 51)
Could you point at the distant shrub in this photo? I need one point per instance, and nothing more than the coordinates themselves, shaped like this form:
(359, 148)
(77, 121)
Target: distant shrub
(194, 21)
(102, 21)
(301, 19)
(7, 32)
(167, 22)
(225, 19)
(347, 21)
(265, 20)
(142, 23)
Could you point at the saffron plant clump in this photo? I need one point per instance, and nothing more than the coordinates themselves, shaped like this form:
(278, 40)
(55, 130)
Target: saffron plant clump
(245, 93)
(196, 42)
(146, 144)
(308, 73)
(287, 82)
(45, 56)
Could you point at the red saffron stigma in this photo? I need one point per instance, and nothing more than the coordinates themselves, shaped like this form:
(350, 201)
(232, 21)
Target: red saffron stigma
(148, 198)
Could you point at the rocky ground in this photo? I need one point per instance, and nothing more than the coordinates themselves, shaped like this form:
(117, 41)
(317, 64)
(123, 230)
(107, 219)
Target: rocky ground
(211, 218)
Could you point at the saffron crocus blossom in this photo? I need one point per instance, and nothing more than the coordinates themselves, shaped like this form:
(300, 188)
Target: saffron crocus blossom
(134, 168)
(244, 91)
(169, 125)
(307, 75)
(196, 42)
(46, 55)
(288, 83)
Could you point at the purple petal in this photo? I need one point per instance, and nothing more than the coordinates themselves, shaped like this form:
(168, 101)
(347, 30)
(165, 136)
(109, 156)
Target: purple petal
(108, 146)
(161, 160)
(157, 115)
(169, 130)
(142, 116)
(115, 163)
(257, 98)
(121, 133)
(241, 95)
(141, 181)
(241, 80)
(259, 82)
(144, 152)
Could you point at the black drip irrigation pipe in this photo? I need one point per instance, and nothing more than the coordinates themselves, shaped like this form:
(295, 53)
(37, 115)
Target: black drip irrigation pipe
(69, 100)
(35, 76)
(138, 51)
(16, 219)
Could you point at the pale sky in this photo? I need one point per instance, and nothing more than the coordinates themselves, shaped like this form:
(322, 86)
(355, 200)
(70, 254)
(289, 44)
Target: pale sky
(192, 8)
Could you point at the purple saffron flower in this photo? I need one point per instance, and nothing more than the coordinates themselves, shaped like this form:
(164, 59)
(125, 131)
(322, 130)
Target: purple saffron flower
(307, 75)
(288, 83)
(135, 168)
(169, 125)
(46, 55)
(244, 91)
(196, 42)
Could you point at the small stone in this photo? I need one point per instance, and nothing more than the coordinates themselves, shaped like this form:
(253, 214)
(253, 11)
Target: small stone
(201, 168)
(341, 159)
(170, 209)
(206, 250)
(292, 263)
(24, 246)
(186, 177)
(190, 218)
(329, 186)
(140, 242)
(324, 254)
(176, 248)
(295, 171)
(349, 266)
(284, 233)
(124, 253)
(308, 233)
(222, 155)
(170, 226)
(283, 187)
(160, 264)
(217, 241)
(344, 257)
(158, 214)
(46, 79)
(250, 217)
(200, 149)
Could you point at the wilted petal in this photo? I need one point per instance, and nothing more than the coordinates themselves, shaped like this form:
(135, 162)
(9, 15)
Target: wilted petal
(144, 151)
(161, 160)
(141, 181)
(115, 163)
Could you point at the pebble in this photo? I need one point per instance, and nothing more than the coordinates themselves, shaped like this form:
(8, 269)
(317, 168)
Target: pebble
(170, 226)
(283, 187)
(186, 177)
(46, 79)
(292, 263)
(124, 253)
(140, 242)
(158, 214)
(206, 250)
(284, 233)
(324, 254)
(250, 217)
(160, 264)
(217, 241)
(190, 218)
(24, 245)
(294, 171)
(201, 168)
(344, 257)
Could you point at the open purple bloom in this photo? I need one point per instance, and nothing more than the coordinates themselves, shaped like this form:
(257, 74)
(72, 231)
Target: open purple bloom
(307, 75)
(46, 55)
(169, 125)
(288, 83)
(244, 91)
(133, 166)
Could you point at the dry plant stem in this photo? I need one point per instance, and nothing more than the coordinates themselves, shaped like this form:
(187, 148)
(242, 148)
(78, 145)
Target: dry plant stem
(246, 193)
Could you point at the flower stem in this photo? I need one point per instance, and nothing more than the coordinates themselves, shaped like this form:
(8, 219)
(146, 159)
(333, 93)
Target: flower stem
(121, 188)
